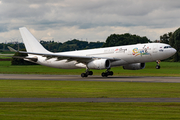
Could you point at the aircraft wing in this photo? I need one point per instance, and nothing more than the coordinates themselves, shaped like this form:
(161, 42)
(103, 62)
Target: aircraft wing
(80, 59)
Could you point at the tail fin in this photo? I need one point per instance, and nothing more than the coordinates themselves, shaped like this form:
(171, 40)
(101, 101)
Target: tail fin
(31, 43)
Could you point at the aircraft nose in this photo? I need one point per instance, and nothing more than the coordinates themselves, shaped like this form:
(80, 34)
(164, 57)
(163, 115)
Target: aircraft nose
(173, 51)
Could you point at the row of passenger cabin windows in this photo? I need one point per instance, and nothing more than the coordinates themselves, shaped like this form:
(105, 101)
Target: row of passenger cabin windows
(167, 47)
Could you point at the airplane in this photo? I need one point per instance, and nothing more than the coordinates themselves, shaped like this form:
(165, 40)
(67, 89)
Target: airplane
(131, 57)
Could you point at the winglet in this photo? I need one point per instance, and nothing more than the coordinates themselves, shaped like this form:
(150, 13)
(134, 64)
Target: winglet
(12, 49)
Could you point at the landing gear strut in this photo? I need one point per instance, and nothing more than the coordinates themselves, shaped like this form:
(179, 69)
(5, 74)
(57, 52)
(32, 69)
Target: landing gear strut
(86, 73)
(107, 73)
(158, 66)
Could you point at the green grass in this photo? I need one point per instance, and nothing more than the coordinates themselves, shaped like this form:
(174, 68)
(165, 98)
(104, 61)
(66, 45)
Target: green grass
(90, 111)
(7, 52)
(167, 69)
(86, 89)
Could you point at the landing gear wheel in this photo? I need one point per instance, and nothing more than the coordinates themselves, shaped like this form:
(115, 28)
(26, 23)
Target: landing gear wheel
(89, 72)
(158, 66)
(110, 73)
(84, 75)
(104, 74)
(107, 73)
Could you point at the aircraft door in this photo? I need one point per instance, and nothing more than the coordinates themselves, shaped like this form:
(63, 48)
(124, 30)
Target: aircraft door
(155, 54)
(155, 49)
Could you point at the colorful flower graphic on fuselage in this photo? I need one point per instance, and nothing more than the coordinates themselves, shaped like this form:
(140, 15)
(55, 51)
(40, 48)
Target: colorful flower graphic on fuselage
(141, 52)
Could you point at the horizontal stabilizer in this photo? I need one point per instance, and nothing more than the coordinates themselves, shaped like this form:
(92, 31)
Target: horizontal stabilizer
(29, 58)
(11, 49)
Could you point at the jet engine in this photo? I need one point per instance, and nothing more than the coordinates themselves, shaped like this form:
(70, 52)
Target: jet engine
(134, 66)
(99, 64)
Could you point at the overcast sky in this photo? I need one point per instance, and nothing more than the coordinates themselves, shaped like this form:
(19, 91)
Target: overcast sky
(91, 20)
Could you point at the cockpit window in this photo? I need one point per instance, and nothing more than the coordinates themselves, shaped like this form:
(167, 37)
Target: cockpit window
(167, 47)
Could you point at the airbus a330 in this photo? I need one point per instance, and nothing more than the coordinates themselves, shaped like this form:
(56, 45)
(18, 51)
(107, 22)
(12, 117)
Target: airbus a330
(131, 57)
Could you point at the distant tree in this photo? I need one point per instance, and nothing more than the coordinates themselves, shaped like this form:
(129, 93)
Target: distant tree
(124, 39)
(165, 38)
(94, 45)
(70, 45)
(174, 41)
(14, 45)
(157, 41)
(53, 46)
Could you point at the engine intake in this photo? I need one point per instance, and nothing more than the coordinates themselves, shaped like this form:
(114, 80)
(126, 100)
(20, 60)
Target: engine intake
(134, 66)
(99, 64)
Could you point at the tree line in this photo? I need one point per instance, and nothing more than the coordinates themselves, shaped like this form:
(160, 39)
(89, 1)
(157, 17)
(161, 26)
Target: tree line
(173, 39)
(124, 39)
(53, 46)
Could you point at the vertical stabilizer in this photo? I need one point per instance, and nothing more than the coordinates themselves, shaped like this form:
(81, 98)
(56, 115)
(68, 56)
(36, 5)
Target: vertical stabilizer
(31, 43)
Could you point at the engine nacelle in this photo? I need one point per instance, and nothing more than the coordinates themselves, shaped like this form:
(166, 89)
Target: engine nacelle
(99, 64)
(134, 66)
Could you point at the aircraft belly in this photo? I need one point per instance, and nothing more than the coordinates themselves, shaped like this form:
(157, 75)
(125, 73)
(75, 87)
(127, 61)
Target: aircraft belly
(118, 63)
(145, 58)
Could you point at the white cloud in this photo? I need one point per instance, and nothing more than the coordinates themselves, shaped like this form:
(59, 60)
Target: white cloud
(91, 19)
(34, 6)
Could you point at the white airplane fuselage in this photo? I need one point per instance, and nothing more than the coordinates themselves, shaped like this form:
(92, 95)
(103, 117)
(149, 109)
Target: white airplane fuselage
(131, 57)
(129, 54)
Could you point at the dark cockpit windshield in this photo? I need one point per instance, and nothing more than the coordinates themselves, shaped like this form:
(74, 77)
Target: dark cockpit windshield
(165, 47)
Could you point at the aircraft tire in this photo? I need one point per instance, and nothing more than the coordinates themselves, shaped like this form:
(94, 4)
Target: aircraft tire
(84, 75)
(104, 74)
(90, 72)
(158, 67)
(110, 73)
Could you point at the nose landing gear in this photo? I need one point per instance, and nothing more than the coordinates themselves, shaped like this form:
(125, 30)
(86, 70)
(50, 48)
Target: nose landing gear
(158, 66)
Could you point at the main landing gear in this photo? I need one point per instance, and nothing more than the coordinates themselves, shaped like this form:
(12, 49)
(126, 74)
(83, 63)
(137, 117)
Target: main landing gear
(158, 66)
(104, 74)
(107, 73)
(86, 73)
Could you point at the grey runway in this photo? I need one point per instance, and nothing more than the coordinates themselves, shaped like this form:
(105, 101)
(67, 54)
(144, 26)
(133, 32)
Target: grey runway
(90, 78)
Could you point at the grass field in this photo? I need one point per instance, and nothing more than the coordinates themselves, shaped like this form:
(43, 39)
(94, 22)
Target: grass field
(90, 111)
(86, 89)
(167, 69)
